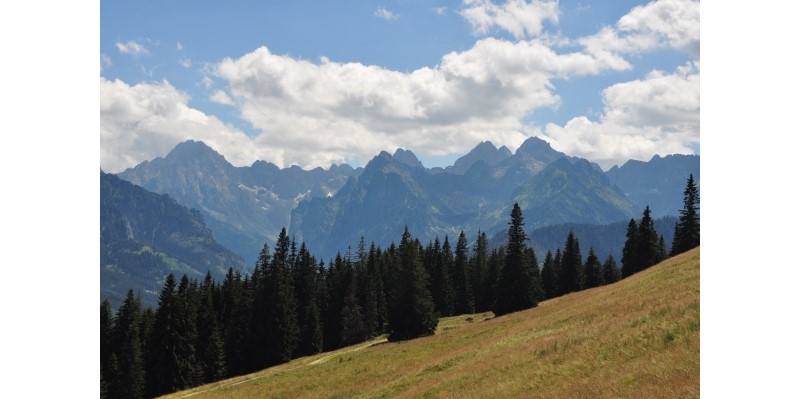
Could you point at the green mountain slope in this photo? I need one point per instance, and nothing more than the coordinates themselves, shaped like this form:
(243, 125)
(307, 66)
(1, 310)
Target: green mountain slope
(638, 338)
(145, 236)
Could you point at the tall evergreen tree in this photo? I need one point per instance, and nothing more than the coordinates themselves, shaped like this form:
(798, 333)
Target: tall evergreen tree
(353, 330)
(594, 271)
(210, 347)
(128, 379)
(649, 250)
(572, 273)
(549, 277)
(106, 345)
(412, 311)
(516, 290)
(629, 251)
(307, 288)
(282, 331)
(687, 229)
(536, 274)
(611, 273)
(170, 354)
(480, 266)
(463, 277)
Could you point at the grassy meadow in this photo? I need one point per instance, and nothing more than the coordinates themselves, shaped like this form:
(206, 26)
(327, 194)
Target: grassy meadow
(638, 338)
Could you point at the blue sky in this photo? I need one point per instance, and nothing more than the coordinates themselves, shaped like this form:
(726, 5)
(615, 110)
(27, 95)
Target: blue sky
(316, 82)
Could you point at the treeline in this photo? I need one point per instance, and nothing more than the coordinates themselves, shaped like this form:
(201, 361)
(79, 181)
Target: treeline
(295, 305)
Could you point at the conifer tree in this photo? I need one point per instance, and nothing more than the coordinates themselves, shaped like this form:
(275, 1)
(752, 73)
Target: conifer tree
(106, 345)
(629, 251)
(687, 229)
(210, 347)
(536, 274)
(412, 311)
(463, 278)
(649, 250)
(282, 331)
(480, 266)
(307, 288)
(353, 330)
(516, 290)
(572, 273)
(611, 273)
(594, 272)
(128, 378)
(170, 354)
(549, 277)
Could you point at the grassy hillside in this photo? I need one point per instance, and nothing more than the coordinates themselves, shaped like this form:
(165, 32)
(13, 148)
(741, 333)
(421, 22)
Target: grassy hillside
(639, 338)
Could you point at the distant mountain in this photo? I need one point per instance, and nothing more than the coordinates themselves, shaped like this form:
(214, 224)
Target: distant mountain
(484, 152)
(145, 236)
(407, 157)
(572, 191)
(244, 206)
(392, 193)
(658, 183)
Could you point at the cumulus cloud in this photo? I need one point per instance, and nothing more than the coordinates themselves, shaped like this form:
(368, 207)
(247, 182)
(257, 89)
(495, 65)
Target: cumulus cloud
(328, 111)
(220, 97)
(383, 13)
(132, 48)
(521, 18)
(662, 23)
(147, 120)
(659, 114)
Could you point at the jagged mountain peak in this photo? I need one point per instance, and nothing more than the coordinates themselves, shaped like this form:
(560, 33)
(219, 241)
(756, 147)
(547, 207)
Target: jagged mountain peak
(407, 157)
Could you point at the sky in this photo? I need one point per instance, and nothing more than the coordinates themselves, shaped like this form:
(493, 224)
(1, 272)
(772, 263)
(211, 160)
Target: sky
(312, 83)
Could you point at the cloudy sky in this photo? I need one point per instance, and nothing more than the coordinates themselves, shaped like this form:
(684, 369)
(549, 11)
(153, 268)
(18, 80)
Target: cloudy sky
(317, 82)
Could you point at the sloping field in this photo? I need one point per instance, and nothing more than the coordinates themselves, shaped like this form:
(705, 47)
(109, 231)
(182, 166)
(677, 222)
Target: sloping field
(639, 338)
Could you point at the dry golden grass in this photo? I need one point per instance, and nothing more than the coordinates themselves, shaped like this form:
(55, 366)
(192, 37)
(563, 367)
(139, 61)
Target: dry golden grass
(639, 338)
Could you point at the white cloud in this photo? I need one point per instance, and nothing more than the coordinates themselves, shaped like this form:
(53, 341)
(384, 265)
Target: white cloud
(662, 23)
(325, 112)
(220, 97)
(440, 10)
(132, 48)
(179, 46)
(206, 82)
(521, 18)
(382, 12)
(147, 120)
(105, 62)
(659, 114)
(185, 62)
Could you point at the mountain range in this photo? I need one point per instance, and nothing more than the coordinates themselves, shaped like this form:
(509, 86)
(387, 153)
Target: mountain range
(331, 209)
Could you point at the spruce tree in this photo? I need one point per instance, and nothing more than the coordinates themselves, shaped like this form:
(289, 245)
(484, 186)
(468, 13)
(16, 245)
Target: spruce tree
(463, 278)
(307, 288)
(549, 277)
(106, 345)
(210, 347)
(170, 354)
(594, 272)
(480, 266)
(282, 331)
(353, 330)
(128, 379)
(516, 289)
(572, 273)
(629, 251)
(649, 250)
(687, 229)
(412, 311)
(611, 273)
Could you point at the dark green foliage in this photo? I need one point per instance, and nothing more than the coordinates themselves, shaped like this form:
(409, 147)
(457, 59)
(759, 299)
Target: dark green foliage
(572, 272)
(307, 287)
(611, 273)
(170, 355)
(516, 287)
(106, 345)
(463, 277)
(536, 274)
(644, 247)
(550, 276)
(235, 310)
(353, 330)
(630, 248)
(687, 230)
(594, 272)
(439, 260)
(480, 267)
(282, 332)
(210, 347)
(127, 372)
(411, 312)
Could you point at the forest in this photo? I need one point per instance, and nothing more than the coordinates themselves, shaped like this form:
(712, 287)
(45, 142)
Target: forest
(294, 304)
